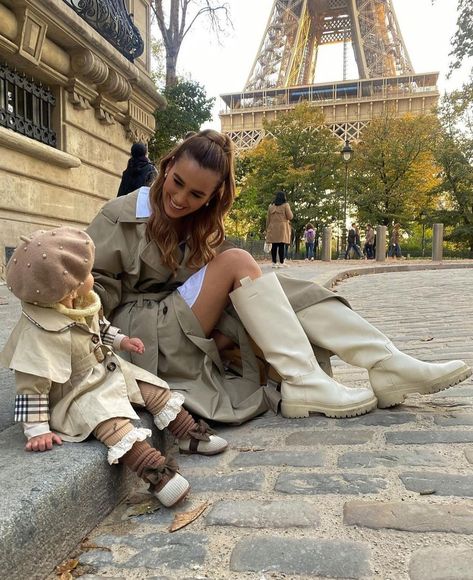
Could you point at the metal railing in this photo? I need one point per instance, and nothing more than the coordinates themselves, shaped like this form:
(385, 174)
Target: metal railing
(111, 19)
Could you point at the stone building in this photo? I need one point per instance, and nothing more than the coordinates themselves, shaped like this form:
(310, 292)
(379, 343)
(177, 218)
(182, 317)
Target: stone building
(75, 93)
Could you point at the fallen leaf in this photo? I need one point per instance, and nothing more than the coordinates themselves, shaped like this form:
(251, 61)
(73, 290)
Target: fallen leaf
(141, 509)
(426, 491)
(66, 567)
(427, 339)
(66, 576)
(183, 518)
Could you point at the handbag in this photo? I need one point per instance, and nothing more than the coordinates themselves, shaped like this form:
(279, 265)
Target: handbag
(267, 247)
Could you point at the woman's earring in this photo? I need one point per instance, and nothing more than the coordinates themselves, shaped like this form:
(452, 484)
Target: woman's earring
(207, 204)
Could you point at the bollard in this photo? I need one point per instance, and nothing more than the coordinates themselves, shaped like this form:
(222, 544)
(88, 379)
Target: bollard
(437, 243)
(381, 243)
(327, 244)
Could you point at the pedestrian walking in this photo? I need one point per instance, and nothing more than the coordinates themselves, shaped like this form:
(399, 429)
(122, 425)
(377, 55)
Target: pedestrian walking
(71, 384)
(278, 228)
(309, 239)
(369, 242)
(353, 242)
(164, 273)
(139, 171)
(394, 250)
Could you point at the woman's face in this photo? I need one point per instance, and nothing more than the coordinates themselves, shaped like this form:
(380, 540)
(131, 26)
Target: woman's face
(187, 187)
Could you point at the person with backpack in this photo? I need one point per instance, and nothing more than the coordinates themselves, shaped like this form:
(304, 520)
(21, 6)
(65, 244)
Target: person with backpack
(309, 239)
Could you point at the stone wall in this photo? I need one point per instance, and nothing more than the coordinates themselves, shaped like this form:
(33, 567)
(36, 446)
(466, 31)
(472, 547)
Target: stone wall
(104, 103)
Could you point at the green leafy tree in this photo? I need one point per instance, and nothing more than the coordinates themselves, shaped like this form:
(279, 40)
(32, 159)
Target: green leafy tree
(187, 109)
(393, 172)
(299, 156)
(454, 154)
(462, 42)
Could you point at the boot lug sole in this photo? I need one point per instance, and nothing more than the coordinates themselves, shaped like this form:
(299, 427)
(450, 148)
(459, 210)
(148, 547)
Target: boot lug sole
(301, 410)
(397, 397)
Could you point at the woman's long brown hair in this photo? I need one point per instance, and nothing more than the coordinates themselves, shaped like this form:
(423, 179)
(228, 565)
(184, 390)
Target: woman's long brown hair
(211, 150)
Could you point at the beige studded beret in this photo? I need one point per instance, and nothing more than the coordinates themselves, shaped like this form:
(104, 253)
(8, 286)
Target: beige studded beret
(49, 264)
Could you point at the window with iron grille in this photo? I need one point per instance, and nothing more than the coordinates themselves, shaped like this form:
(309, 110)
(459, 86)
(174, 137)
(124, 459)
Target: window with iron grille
(26, 106)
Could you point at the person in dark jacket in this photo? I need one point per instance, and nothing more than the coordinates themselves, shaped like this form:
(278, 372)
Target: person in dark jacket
(140, 171)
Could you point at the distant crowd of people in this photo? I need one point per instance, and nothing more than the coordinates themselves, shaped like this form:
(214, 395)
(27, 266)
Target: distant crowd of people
(280, 236)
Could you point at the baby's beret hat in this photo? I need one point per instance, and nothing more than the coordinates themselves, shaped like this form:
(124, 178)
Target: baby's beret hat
(49, 264)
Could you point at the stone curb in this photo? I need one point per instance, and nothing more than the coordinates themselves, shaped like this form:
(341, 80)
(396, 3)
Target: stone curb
(51, 501)
(344, 274)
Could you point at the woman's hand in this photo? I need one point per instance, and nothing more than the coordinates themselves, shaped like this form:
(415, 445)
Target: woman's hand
(132, 345)
(43, 442)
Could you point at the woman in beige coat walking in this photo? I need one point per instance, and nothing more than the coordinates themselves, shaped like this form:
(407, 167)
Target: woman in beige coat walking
(161, 269)
(278, 227)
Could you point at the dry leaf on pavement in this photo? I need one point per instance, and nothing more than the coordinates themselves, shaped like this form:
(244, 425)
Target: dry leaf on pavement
(65, 568)
(183, 518)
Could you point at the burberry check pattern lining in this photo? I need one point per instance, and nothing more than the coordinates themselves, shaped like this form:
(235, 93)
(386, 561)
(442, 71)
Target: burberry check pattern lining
(32, 408)
(35, 408)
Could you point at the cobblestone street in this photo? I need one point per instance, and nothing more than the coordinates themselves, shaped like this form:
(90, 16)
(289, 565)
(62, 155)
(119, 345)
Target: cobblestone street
(386, 495)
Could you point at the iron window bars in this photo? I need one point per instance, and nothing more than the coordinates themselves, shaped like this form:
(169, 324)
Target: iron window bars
(26, 106)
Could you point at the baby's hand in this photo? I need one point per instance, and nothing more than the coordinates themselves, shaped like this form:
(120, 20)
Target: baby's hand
(43, 442)
(132, 345)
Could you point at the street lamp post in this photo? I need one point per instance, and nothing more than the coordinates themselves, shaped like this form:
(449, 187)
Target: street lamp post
(347, 154)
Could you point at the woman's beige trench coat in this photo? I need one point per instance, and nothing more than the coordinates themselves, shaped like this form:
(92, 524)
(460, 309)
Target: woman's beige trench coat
(83, 381)
(278, 228)
(139, 296)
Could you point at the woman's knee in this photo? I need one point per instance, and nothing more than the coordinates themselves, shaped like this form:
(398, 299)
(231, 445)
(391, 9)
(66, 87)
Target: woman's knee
(239, 259)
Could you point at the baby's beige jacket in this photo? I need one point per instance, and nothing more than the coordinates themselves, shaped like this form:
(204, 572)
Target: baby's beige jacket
(66, 375)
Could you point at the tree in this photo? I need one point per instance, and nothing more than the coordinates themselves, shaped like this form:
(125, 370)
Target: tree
(463, 38)
(298, 155)
(176, 21)
(454, 154)
(187, 108)
(393, 172)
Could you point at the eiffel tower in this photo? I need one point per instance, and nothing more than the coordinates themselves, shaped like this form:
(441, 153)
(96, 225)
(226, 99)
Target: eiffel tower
(284, 69)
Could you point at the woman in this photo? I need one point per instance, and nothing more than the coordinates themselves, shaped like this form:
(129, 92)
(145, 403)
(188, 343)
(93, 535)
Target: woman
(394, 247)
(160, 267)
(139, 170)
(369, 242)
(309, 239)
(278, 227)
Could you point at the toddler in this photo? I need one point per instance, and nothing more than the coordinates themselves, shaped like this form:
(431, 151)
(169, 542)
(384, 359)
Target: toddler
(71, 384)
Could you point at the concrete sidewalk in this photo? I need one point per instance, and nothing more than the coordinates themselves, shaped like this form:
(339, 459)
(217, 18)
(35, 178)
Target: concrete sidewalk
(266, 518)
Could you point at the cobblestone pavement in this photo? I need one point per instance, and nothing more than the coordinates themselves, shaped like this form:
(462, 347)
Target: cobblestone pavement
(386, 495)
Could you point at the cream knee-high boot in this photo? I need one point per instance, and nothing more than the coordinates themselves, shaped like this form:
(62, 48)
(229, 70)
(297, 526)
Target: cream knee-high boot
(269, 318)
(393, 374)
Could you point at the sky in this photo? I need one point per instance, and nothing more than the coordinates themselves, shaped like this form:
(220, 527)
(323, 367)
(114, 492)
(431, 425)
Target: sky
(223, 68)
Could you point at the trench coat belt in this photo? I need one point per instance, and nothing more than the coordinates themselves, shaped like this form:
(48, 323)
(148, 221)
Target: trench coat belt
(89, 361)
(140, 298)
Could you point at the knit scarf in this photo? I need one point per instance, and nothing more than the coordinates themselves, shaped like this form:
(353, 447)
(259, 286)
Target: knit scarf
(84, 307)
